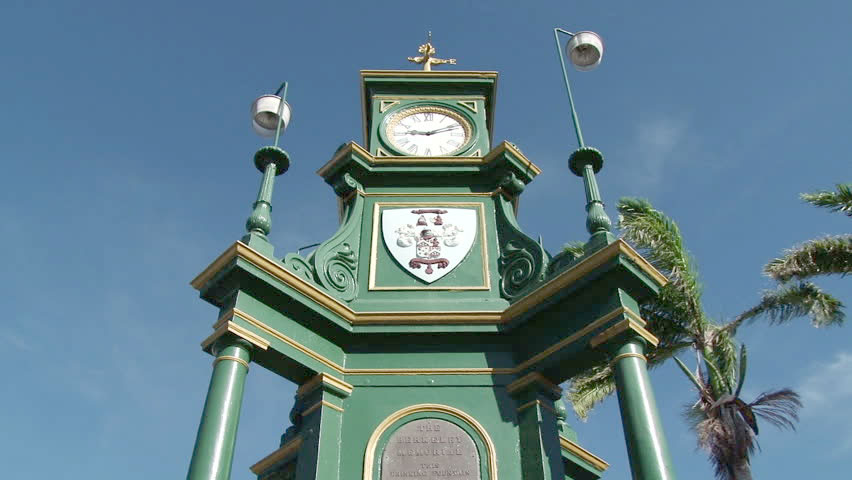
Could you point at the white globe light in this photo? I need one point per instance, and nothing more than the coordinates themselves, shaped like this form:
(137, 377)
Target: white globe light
(585, 49)
(264, 115)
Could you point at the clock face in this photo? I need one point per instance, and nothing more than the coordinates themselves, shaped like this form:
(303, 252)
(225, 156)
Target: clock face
(428, 131)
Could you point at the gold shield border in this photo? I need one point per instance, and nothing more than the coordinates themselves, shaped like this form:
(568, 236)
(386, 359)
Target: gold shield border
(480, 207)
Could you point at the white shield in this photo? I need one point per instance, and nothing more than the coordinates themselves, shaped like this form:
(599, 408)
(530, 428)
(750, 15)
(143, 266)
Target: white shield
(429, 242)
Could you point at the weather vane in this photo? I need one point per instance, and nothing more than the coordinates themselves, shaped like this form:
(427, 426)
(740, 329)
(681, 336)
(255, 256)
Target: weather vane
(426, 56)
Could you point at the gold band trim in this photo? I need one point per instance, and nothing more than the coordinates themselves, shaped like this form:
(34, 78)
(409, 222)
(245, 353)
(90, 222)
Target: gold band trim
(224, 325)
(283, 452)
(626, 355)
(231, 357)
(325, 300)
(584, 454)
(289, 341)
(409, 371)
(540, 404)
(323, 378)
(530, 378)
(319, 404)
(479, 208)
(369, 455)
(623, 326)
(572, 338)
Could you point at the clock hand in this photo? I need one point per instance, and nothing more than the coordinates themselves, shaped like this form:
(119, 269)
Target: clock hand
(441, 130)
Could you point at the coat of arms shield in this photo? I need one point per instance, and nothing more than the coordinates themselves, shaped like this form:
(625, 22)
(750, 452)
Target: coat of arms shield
(429, 242)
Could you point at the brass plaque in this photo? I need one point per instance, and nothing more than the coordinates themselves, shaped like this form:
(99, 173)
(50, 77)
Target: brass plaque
(430, 448)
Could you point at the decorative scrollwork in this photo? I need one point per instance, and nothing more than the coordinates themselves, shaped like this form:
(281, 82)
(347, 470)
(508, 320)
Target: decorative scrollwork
(517, 269)
(345, 184)
(299, 266)
(340, 272)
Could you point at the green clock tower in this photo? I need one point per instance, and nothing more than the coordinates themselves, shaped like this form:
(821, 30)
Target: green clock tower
(429, 335)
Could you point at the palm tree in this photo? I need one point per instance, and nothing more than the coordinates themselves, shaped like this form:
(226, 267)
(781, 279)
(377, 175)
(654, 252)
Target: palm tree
(726, 426)
(795, 296)
(677, 318)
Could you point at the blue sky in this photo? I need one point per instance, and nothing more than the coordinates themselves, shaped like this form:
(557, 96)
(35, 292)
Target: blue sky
(126, 150)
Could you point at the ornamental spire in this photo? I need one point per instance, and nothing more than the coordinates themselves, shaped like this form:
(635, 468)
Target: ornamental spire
(426, 58)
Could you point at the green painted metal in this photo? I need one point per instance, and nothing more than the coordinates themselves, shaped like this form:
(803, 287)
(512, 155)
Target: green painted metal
(575, 120)
(217, 432)
(643, 432)
(306, 316)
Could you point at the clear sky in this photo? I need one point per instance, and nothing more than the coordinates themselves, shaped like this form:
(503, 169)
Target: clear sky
(126, 152)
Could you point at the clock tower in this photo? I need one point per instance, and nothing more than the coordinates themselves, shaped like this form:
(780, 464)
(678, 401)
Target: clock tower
(429, 335)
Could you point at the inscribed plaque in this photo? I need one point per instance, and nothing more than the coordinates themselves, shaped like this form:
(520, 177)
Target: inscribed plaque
(430, 448)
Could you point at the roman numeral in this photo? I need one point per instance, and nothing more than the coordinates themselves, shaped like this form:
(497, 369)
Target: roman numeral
(428, 116)
(427, 152)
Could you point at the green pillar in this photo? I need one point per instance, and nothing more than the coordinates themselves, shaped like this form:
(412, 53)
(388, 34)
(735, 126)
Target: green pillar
(538, 430)
(217, 433)
(646, 443)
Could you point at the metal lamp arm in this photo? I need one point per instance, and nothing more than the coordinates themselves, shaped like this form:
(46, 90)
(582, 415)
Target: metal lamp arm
(574, 118)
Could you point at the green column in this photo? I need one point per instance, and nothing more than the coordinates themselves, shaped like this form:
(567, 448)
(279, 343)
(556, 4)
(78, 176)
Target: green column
(217, 433)
(646, 443)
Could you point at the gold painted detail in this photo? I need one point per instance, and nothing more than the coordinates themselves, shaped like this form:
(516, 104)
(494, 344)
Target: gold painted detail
(233, 358)
(430, 371)
(427, 58)
(400, 115)
(323, 379)
(224, 325)
(319, 404)
(286, 450)
(540, 404)
(277, 271)
(578, 271)
(386, 104)
(483, 243)
(589, 328)
(530, 379)
(289, 341)
(584, 454)
(623, 326)
(469, 105)
(370, 454)
(627, 355)
(383, 157)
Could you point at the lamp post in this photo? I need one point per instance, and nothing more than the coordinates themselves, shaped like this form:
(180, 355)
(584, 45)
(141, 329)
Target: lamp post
(585, 49)
(643, 433)
(270, 115)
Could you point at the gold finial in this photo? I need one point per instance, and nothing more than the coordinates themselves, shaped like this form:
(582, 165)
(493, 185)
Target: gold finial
(426, 56)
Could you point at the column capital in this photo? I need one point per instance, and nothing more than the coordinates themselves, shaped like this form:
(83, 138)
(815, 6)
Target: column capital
(223, 344)
(536, 383)
(627, 330)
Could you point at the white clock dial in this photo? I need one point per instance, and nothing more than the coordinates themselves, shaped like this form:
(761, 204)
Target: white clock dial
(428, 131)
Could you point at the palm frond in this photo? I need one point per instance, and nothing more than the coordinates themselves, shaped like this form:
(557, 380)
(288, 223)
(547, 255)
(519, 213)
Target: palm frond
(839, 201)
(743, 363)
(590, 388)
(793, 301)
(699, 385)
(659, 239)
(576, 249)
(780, 408)
(822, 256)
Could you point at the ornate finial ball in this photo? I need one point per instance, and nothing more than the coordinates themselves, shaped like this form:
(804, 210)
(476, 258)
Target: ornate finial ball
(585, 156)
(270, 154)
